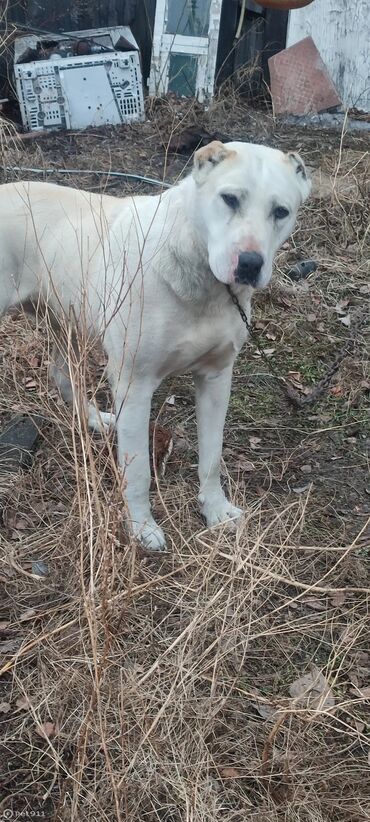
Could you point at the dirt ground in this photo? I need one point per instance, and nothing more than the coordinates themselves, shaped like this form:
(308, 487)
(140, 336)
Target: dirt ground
(229, 678)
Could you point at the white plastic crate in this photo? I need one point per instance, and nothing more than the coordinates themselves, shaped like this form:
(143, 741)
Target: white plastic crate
(81, 91)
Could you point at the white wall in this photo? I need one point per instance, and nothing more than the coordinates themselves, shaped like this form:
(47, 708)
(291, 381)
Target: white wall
(340, 30)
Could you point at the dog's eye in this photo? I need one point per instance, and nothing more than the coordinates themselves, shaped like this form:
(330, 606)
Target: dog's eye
(231, 201)
(280, 213)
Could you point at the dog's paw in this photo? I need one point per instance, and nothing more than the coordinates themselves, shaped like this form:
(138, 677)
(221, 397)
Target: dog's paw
(220, 511)
(150, 535)
(100, 420)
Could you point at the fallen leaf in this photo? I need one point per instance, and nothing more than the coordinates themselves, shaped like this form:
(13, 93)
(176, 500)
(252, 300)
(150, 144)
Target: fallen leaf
(324, 417)
(260, 491)
(260, 326)
(269, 351)
(265, 710)
(4, 707)
(230, 773)
(270, 336)
(297, 384)
(338, 599)
(336, 391)
(244, 465)
(28, 614)
(362, 657)
(341, 307)
(300, 489)
(17, 522)
(4, 626)
(360, 726)
(171, 400)
(47, 729)
(345, 320)
(353, 678)
(363, 693)
(295, 375)
(162, 447)
(364, 289)
(306, 469)
(30, 383)
(180, 442)
(40, 507)
(39, 568)
(316, 604)
(312, 690)
(34, 362)
(9, 646)
(254, 442)
(284, 301)
(311, 318)
(23, 703)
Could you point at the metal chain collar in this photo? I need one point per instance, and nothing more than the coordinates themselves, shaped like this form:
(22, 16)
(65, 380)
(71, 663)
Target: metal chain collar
(285, 386)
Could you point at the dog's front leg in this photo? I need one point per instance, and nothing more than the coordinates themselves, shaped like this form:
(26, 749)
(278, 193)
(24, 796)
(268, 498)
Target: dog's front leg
(212, 399)
(132, 403)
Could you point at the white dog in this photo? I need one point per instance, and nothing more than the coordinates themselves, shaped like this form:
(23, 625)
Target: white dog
(148, 275)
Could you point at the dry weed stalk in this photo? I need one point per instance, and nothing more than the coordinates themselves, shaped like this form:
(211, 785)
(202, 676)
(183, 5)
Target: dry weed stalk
(166, 679)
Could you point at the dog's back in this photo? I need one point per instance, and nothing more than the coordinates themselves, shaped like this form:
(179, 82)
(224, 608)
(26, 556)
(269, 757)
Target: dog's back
(49, 235)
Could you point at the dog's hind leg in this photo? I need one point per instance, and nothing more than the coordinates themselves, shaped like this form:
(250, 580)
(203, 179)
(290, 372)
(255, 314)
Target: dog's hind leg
(63, 361)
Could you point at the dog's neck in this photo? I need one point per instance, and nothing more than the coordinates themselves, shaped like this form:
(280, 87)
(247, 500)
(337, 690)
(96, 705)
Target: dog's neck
(187, 272)
(190, 275)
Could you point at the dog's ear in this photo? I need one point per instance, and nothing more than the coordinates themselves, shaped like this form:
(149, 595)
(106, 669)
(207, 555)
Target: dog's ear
(208, 157)
(302, 177)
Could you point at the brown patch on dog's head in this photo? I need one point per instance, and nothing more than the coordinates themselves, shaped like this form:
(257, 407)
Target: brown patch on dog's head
(208, 157)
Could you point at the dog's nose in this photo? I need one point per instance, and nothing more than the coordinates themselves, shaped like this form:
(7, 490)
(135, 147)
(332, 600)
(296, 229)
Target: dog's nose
(249, 267)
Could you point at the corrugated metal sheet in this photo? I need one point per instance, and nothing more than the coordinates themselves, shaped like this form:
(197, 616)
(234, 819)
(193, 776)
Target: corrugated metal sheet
(341, 32)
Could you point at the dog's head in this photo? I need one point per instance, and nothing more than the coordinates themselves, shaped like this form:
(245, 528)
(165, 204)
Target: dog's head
(248, 198)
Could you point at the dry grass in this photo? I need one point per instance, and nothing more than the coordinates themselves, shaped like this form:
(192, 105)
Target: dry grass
(166, 678)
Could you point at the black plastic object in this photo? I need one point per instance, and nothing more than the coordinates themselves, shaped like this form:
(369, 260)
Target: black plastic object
(18, 442)
(302, 270)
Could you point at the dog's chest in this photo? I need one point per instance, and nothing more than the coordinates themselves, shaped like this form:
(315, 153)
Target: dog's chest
(204, 347)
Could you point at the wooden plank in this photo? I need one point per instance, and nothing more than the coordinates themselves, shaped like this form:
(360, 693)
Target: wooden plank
(142, 29)
(226, 52)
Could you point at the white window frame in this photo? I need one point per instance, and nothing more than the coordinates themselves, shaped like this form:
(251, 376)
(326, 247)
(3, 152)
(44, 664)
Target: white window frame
(203, 48)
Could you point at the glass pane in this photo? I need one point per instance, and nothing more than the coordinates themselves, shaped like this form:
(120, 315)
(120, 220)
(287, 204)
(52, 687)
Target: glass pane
(182, 75)
(188, 17)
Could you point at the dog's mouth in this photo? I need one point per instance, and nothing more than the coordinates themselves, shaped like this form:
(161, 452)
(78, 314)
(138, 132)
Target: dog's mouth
(252, 282)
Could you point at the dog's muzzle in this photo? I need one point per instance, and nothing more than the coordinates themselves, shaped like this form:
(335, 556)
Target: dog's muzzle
(249, 268)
